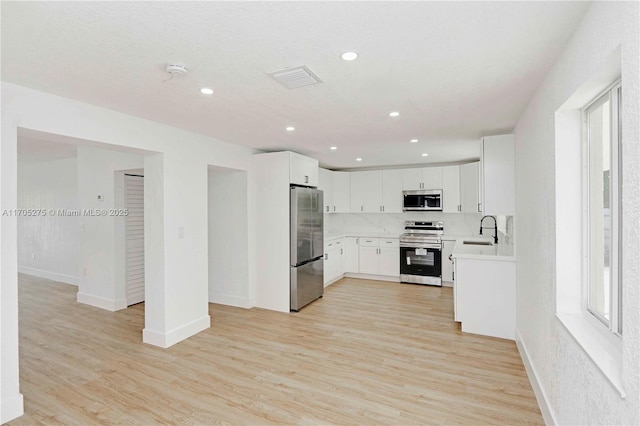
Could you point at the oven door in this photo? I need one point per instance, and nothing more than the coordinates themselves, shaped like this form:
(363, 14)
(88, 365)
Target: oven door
(421, 263)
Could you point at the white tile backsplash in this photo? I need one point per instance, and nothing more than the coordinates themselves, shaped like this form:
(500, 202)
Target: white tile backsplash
(464, 224)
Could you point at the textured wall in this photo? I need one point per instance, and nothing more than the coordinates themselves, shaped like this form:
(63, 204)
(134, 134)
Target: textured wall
(48, 243)
(577, 391)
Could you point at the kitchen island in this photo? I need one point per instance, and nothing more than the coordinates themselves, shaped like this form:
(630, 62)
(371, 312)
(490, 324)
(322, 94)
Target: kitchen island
(485, 287)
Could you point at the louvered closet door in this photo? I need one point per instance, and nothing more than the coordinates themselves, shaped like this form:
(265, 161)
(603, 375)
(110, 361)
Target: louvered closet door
(134, 194)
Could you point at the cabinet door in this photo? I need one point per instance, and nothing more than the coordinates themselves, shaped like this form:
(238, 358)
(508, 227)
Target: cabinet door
(447, 265)
(389, 261)
(303, 170)
(455, 293)
(372, 191)
(392, 191)
(498, 175)
(351, 255)
(450, 189)
(469, 188)
(332, 264)
(325, 183)
(411, 179)
(369, 260)
(432, 178)
(340, 256)
(341, 192)
(357, 183)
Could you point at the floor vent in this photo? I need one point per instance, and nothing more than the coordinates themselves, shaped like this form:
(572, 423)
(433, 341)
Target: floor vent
(292, 78)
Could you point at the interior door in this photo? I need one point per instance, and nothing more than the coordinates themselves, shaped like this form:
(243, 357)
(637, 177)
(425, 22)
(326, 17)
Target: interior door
(134, 234)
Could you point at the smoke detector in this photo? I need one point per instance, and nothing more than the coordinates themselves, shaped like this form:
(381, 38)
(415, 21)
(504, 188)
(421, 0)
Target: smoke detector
(176, 69)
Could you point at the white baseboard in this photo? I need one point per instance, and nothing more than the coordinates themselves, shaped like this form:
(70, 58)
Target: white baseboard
(328, 283)
(224, 299)
(53, 276)
(170, 338)
(543, 401)
(373, 277)
(11, 408)
(101, 302)
(447, 284)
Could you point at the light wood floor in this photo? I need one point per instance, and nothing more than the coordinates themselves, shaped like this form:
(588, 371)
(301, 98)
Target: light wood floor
(369, 352)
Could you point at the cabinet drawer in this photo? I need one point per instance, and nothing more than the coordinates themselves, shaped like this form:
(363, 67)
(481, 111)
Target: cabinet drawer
(389, 242)
(332, 244)
(369, 242)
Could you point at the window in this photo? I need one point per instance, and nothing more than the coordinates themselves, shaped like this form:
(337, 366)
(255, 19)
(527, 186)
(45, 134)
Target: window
(601, 242)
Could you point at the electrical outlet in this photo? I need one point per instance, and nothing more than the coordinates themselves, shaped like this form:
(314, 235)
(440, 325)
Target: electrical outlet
(84, 272)
(33, 256)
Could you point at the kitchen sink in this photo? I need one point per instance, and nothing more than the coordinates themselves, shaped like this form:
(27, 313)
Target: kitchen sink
(478, 243)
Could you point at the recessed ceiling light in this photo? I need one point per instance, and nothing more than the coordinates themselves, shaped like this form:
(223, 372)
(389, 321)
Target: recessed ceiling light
(358, 159)
(414, 140)
(349, 56)
(333, 148)
(425, 155)
(206, 91)
(394, 114)
(290, 129)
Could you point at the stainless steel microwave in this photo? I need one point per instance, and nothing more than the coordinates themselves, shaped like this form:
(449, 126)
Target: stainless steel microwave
(422, 200)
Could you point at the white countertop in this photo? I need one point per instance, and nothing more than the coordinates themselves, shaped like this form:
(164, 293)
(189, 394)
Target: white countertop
(500, 251)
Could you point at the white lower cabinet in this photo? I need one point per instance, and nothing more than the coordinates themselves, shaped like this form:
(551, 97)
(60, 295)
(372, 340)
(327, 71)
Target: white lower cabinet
(447, 265)
(485, 297)
(389, 261)
(333, 260)
(351, 255)
(368, 260)
(379, 256)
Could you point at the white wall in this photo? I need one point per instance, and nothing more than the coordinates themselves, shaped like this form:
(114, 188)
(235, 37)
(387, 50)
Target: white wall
(228, 238)
(175, 165)
(576, 391)
(48, 245)
(99, 253)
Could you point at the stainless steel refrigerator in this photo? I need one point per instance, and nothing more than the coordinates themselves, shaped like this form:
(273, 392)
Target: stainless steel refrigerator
(307, 246)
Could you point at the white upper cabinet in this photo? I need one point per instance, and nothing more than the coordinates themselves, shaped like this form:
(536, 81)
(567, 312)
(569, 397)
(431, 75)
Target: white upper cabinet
(422, 178)
(469, 188)
(411, 179)
(341, 192)
(498, 175)
(451, 189)
(372, 191)
(336, 189)
(366, 191)
(376, 191)
(392, 191)
(303, 170)
(325, 183)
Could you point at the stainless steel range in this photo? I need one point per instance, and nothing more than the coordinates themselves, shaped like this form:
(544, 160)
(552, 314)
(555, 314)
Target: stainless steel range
(421, 253)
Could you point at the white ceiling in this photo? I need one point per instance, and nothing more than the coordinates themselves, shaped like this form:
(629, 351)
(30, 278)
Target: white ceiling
(454, 70)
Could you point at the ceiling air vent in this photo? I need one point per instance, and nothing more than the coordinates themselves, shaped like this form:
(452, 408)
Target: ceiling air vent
(292, 78)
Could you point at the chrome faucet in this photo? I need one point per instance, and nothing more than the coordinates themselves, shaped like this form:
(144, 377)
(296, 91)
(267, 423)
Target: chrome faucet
(495, 228)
